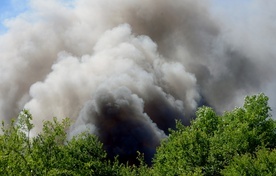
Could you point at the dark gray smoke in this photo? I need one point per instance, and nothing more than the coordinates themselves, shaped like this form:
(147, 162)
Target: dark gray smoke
(126, 70)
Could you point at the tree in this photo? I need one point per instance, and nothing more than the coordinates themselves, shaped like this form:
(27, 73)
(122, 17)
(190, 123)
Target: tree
(211, 142)
(263, 162)
(242, 131)
(15, 147)
(85, 156)
(185, 152)
(240, 142)
(49, 153)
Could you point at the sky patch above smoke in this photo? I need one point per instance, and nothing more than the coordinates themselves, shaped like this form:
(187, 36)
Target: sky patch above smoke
(11, 8)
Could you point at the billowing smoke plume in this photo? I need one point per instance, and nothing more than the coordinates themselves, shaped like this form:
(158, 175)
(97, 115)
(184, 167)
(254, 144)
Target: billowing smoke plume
(126, 69)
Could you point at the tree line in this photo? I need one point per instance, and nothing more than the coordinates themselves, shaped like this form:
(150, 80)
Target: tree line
(239, 142)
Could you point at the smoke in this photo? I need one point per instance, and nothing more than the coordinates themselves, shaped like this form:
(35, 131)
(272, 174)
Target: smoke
(126, 70)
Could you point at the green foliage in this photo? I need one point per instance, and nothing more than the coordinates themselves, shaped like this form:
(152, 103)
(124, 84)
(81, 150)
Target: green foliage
(185, 152)
(141, 170)
(15, 147)
(263, 162)
(49, 153)
(242, 131)
(240, 142)
(85, 156)
(48, 147)
(211, 142)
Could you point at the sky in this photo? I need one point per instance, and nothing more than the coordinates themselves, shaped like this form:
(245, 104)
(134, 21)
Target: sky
(12, 8)
(230, 5)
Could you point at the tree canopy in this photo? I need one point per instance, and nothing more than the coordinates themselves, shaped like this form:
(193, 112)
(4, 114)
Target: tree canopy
(239, 142)
(212, 142)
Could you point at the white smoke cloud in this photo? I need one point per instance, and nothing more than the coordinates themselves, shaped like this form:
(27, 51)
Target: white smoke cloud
(120, 59)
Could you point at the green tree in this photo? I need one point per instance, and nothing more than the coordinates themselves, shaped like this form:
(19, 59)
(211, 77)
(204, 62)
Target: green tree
(263, 162)
(242, 131)
(185, 152)
(85, 156)
(140, 170)
(15, 147)
(240, 142)
(49, 153)
(210, 143)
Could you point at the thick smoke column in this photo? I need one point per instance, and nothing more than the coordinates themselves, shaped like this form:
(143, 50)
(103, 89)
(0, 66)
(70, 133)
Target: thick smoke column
(126, 69)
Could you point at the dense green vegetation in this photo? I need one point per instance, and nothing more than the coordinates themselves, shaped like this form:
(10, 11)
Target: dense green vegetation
(240, 142)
